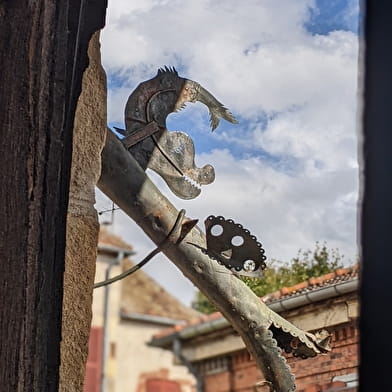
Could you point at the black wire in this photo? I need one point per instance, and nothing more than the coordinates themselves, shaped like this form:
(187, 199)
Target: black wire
(167, 240)
(110, 210)
(129, 271)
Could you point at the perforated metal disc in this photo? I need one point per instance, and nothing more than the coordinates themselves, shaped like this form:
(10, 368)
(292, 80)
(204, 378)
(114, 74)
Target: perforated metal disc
(234, 246)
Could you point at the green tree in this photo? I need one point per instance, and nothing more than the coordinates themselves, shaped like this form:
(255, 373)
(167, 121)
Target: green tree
(307, 264)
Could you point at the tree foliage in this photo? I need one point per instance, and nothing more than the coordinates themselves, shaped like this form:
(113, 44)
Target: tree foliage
(307, 264)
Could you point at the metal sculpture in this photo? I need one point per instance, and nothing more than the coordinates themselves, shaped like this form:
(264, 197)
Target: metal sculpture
(231, 245)
(264, 332)
(170, 154)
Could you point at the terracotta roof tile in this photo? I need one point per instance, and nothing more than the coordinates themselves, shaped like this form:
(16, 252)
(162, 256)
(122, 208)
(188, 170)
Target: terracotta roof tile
(342, 271)
(107, 238)
(142, 294)
(165, 332)
(314, 283)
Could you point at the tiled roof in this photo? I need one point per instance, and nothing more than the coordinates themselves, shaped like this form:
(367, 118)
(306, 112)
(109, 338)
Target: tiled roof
(143, 295)
(330, 279)
(109, 239)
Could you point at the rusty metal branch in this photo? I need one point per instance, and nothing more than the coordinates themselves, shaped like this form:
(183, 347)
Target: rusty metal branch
(123, 181)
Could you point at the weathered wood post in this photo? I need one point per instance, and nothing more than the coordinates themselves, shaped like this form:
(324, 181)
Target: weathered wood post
(42, 58)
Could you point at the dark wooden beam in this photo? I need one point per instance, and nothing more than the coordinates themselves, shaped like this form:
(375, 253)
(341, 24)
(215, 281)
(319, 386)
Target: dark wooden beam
(43, 55)
(376, 216)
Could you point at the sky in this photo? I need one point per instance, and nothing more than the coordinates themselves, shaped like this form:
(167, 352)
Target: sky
(287, 70)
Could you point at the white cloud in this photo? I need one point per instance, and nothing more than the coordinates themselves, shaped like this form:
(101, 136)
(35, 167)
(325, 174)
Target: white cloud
(209, 38)
(257, 58)
(285, 212)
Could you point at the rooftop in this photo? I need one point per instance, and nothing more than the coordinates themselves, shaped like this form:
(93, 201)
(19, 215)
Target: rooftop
(142, 298)
(330, 279)
(106, 238)
(312, 285)
(140, 294)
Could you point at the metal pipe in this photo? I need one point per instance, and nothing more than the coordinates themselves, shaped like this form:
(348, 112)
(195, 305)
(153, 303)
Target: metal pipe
(317, 295)
(177, 350)
(150, 318)
(120, 256)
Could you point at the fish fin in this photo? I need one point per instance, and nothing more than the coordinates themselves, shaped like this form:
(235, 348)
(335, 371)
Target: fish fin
(228, 116)
(214, 120)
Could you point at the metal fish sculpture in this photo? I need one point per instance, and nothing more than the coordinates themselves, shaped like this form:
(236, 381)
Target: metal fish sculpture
(170, 154)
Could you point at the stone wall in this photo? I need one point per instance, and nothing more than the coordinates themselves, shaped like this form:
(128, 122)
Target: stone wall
(82, 222)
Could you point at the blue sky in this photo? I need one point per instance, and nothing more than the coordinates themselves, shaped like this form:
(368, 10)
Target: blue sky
(324, 17)
(288, 71)
(330, 15)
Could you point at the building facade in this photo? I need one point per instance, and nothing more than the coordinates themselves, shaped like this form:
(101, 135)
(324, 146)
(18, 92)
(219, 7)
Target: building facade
(125, 316)
(223, 364)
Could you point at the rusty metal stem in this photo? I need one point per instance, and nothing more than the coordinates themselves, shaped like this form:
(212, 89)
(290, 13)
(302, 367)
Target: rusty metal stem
(123, 181)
